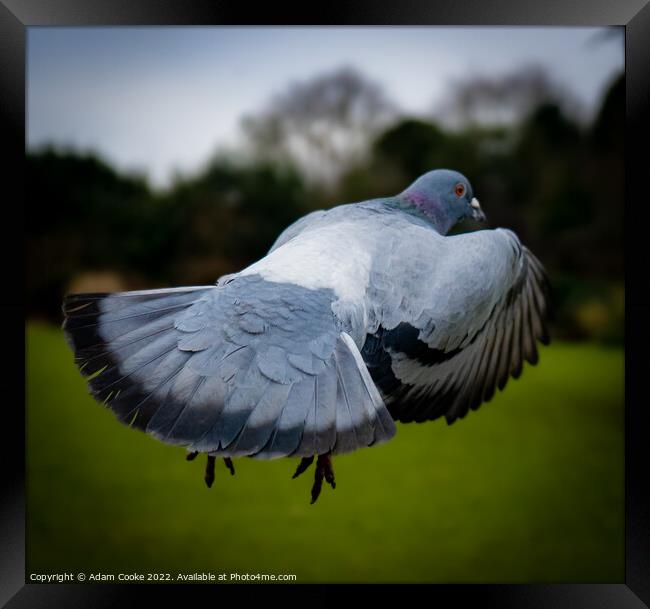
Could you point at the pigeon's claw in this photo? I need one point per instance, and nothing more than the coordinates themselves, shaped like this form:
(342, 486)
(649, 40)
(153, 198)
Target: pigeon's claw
(302, 466)
(324, 470)
(209, 471)
(209, 466)
(328, 470)
(229, 465)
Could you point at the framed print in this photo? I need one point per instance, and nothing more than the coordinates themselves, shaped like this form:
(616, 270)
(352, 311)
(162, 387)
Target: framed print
(183, 180)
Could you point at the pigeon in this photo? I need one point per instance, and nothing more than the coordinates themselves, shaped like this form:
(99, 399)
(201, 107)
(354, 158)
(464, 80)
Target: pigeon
(359, 316)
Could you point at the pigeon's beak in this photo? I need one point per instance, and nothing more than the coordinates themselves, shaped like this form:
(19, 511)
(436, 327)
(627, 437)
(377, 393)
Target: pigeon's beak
(477, 212)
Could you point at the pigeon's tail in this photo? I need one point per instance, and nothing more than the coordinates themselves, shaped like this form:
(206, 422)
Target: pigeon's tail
(337, 411)
(114, 336)
(247, 368)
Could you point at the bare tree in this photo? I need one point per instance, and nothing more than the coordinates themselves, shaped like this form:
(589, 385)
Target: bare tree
(321, 123)
(501, 99)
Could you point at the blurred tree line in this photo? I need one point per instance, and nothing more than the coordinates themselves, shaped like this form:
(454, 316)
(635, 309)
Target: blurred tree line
(555, 180)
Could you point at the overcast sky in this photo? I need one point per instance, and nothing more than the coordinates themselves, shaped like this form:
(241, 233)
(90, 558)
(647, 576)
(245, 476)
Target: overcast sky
(164, 99)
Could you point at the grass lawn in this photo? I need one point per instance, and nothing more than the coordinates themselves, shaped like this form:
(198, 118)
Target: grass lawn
(527, 489)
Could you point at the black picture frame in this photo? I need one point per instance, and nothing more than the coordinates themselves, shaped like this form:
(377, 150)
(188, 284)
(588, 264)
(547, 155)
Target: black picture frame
(634, 15)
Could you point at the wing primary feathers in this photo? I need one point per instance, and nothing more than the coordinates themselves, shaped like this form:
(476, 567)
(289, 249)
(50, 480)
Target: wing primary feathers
(481, 362)
(505, 361)
(481, 375)
(534, 312)
(493, 366)
(517, 340)
(530, 349)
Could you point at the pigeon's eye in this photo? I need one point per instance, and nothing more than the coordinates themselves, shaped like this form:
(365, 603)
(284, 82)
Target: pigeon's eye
(459, 189)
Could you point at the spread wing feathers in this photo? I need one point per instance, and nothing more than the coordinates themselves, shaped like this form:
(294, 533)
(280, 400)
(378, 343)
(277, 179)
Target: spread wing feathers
(250, 367)
(425, 374)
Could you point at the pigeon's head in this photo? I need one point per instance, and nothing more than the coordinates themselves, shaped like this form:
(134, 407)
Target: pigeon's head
(444, 197)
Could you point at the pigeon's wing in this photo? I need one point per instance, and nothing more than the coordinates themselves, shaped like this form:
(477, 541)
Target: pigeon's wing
(250, 367)
(466, 313)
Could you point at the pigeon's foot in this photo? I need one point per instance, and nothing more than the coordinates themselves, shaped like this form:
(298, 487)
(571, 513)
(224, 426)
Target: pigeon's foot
(209, 466)
(229, 465)
(324, 470)
(209, 471)
(305, 462)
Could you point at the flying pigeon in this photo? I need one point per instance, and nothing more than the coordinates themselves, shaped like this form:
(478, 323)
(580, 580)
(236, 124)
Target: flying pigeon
(359, 316)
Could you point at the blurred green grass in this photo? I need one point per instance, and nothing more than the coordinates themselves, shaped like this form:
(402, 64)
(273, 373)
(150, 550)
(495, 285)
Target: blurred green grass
(529, 489)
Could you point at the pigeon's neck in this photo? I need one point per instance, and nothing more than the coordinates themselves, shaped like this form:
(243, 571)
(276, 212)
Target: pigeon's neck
(424, 208)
